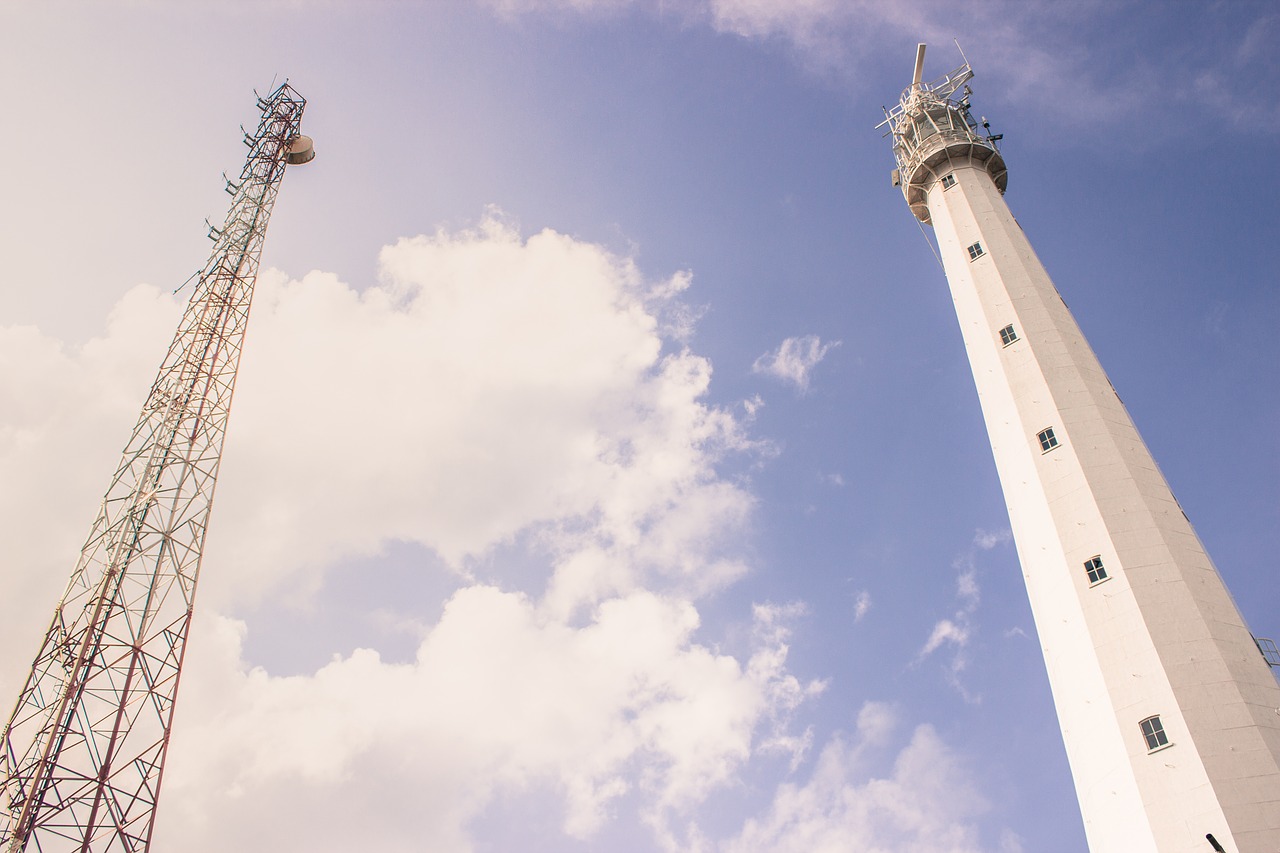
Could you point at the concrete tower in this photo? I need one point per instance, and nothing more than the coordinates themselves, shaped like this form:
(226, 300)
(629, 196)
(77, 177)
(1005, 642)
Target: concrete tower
(1169, 710)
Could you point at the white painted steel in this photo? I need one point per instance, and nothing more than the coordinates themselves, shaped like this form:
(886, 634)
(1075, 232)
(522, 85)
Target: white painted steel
(919, 72)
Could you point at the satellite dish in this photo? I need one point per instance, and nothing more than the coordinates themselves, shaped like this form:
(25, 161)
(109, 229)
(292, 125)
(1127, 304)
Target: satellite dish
(301, 150)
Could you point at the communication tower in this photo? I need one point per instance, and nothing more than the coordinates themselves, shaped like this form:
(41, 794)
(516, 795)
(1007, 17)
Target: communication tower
(1169, 710)
(82, 755)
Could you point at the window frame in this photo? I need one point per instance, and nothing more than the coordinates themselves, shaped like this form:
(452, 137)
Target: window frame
(1157, 733)
(1096, 570)
(975, 250)
(1009, 335)
(948, 181)
(1048, 440)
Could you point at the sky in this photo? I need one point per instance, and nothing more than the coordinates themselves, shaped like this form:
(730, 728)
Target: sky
(605, 471)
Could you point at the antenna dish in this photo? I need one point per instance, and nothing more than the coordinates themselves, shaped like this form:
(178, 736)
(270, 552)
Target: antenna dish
(301, 150)
(919, 75)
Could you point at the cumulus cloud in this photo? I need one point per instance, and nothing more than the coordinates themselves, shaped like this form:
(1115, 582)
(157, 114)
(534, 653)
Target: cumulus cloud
(498, 698)
(926, 803)
(794, 359)
(490, 387)
(511, 405)
(65, 413)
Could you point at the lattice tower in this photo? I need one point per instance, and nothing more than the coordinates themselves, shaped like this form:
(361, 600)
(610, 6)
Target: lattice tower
(82, 755)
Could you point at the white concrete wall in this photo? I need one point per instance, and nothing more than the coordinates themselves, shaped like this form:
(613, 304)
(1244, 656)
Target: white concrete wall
(1161, 635)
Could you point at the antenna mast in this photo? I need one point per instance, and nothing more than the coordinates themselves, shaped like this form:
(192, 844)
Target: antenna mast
(82, 755)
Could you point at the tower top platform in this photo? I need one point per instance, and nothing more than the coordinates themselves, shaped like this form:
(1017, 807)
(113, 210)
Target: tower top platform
(933, 132)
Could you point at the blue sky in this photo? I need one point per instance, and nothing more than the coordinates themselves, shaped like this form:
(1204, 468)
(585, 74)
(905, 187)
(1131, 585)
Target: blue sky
(606, 471)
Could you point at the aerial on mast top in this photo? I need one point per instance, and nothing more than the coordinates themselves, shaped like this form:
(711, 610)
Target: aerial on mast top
(933, 131)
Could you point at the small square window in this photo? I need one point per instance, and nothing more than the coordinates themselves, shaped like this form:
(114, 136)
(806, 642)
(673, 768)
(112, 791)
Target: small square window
(948, 181)
(1008, 335)
(1048, 441)
(1270, 653)
(1095, 570)
(1153, 733)
(975, 251)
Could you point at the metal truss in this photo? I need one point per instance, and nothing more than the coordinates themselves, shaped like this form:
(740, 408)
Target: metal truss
(82, 756)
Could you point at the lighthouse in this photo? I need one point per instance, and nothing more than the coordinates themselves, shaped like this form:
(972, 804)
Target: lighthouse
(1169, 710)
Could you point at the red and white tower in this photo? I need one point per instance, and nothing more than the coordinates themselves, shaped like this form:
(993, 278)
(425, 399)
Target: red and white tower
(1169, 710)
(82, 755)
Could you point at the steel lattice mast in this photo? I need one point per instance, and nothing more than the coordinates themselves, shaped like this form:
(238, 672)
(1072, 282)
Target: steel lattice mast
(81, 757)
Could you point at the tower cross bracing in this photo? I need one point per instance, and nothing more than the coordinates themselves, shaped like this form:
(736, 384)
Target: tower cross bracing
(82, 755)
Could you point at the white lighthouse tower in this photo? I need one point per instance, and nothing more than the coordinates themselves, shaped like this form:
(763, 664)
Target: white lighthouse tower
(1169, 710)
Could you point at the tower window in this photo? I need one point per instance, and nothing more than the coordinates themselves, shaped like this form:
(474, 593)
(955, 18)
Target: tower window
(1048, 441)
(975, 251)
(1153, 733)
(1008, 335)
(1096, 572)
(1270, 653)
(948, 181)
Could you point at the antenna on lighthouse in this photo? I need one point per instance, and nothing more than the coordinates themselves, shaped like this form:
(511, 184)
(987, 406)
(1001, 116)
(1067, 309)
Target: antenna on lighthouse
(929, 122)
(919, 75)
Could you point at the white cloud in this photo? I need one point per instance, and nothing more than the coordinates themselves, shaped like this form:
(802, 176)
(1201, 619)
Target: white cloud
(927, 803)
(498, 401)
(489, 387)
(862, 605)
(510, 8)
(955, 632)
(967, 589)
(772, 630)
(988, 539)
(828, 34)
(498, 698)
(1236, 85)
(794, 359)
(840, 37)
(65, 413)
